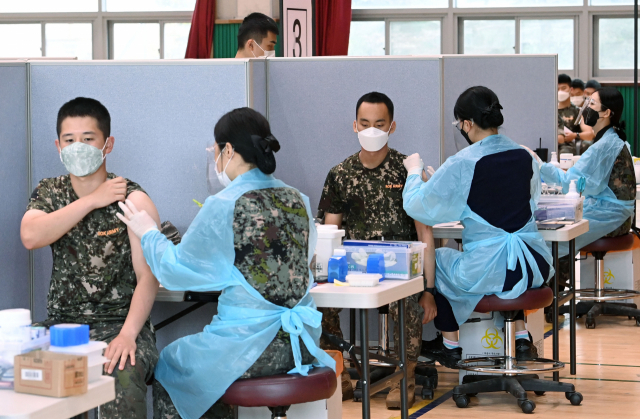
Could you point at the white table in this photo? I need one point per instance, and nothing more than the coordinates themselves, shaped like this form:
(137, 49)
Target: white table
(363, 298)
(28, 406)
(564, 234)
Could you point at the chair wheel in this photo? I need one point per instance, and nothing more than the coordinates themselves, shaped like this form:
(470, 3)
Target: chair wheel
(574, 398)
(590, 323)
(427, 394)
(461, 400)
(527, 405)
(638, 321)
(539, 393)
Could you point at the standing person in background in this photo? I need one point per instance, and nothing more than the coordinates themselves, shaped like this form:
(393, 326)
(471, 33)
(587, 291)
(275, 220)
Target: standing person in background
(568, 131)
(363, 194)
(591, 86)
(257, 37)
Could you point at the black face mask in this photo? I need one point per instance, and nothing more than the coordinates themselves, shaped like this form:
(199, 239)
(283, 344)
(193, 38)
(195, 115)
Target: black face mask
(465, 135)
(590, 117)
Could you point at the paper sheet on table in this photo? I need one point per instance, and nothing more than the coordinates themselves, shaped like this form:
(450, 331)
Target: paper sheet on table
(567, 131)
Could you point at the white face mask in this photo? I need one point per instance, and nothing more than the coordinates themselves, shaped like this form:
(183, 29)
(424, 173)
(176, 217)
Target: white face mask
(266, 53)
(222, 177)
(577, 100)
(372, 139)
(562, 96)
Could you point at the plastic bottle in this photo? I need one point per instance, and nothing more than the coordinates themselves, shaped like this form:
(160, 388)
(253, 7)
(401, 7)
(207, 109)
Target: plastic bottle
(329, 238)
(338, 266)
(554, 159)
(573, 191)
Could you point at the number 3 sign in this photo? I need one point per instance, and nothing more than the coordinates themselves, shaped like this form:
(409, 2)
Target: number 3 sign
(298, 28)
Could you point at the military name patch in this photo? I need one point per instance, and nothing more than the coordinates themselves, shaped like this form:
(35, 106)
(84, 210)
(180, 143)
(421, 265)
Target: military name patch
(109, 232)
(393, 186)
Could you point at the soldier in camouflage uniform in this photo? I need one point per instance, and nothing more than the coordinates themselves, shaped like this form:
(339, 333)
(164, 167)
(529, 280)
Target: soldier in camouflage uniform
(97, 266)
(581, 134)
(367, 203)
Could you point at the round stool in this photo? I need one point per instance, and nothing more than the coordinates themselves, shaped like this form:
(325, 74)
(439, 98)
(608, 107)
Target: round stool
(516, 376)
(279, 392)
(597, 298)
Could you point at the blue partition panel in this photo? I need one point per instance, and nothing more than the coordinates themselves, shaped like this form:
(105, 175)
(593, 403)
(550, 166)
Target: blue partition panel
(526, 85)
(162, 118)
(312, 106)
(14, 258)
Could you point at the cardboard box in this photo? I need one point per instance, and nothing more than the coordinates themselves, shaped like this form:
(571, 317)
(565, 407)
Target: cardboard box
(50, 374)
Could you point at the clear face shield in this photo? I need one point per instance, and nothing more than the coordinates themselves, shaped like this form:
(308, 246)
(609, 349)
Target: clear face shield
(587, 101)
(213, 184)
(460, 141)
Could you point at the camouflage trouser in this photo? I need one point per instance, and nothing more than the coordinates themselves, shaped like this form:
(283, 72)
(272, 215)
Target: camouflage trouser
(413, 325)
(131, 382)
(277, 358)
(165, 409)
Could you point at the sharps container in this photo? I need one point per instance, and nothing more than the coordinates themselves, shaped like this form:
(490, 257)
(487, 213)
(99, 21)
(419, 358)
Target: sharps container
(329, 239)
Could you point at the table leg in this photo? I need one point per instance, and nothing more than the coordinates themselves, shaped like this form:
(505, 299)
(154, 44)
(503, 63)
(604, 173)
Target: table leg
(352, 326)
(572, 304)
(554, 307)
(403, 361)
(366, 376)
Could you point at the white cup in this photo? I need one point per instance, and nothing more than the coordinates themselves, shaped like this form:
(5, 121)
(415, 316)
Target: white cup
(566, 161)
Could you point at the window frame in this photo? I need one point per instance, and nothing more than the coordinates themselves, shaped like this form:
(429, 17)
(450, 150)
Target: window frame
(584, 40)
(101, 22)
(617, 74)
(161, 24)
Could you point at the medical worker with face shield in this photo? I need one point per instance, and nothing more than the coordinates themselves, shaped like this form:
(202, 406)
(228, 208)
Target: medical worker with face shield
(253, 241)
(607, 167)
(492, 187)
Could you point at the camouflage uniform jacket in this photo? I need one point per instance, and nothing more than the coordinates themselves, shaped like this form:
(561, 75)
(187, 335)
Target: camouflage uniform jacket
(622, 182)
(271, 241)
(566, 118)
(369, 199)
(92, 280)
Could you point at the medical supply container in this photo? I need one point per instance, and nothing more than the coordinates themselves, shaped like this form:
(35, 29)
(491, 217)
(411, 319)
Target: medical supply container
(551, 207)
(73, 339)
(566, 161)
(17, 337)
(402, 260)
(338, 266)
(329, 239)
(375, 264)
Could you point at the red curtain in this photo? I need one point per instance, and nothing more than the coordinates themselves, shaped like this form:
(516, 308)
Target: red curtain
(201, 35)
(333, 22)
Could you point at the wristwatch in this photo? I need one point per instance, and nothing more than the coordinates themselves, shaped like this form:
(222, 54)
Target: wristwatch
(431, 291)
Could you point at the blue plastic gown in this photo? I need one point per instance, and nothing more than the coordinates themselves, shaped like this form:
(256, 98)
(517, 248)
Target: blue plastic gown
(465, 277)
(197, 370)
(601, 207)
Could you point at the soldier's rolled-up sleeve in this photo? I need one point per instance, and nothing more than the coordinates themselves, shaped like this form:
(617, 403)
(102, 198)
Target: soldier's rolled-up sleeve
(42, 198)
(332, 200)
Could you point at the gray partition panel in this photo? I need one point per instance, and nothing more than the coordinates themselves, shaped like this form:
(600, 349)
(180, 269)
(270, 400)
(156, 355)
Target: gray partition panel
(257, 85)
(526, 86)
(14, 258)
(312, 104)
(162, 118)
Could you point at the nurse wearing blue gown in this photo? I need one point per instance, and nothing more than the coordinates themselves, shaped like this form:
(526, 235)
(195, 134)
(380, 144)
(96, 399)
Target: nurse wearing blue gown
(253, 241)
(491, 187)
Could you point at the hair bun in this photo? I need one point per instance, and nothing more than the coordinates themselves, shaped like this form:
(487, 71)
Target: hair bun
(490, 108)
(268, 144)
